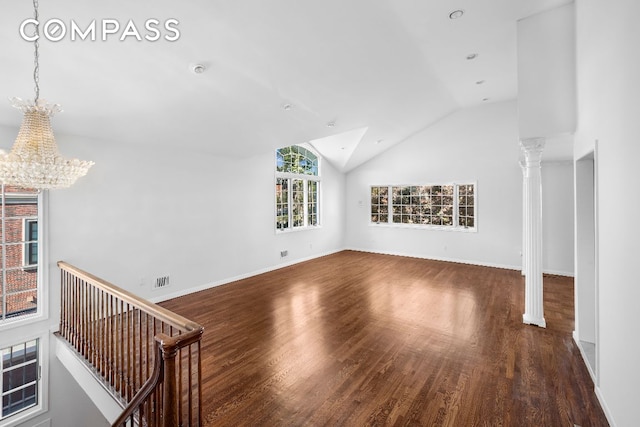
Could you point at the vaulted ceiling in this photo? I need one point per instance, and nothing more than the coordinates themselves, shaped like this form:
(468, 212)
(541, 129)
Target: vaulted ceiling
(353, 77)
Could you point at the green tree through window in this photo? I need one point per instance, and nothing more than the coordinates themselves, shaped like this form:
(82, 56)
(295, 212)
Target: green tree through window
(297, 160)
(297, 188)
(448, 206)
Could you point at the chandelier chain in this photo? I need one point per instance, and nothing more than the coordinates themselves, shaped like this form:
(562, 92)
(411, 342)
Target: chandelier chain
(33, 161)
(36, 45)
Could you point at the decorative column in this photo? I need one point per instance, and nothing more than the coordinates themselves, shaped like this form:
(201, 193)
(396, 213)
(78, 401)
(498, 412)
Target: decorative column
(533, 299)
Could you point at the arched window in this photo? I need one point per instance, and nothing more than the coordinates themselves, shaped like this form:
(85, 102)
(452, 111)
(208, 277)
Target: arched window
(297, 188)
(297, 160)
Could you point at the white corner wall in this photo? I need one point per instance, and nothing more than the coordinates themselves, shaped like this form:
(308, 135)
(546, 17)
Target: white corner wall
(546, 73)
(478, 144)
(557, 217)
(608, 112)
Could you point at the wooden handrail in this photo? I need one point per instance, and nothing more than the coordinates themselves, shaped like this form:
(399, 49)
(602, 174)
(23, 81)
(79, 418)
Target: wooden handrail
(161, 313)
(145, 391)
(115, 331)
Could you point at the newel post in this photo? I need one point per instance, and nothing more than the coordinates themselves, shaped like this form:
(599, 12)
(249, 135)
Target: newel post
(169, 386)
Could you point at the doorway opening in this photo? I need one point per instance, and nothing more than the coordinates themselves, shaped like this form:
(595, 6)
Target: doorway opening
(586, 261)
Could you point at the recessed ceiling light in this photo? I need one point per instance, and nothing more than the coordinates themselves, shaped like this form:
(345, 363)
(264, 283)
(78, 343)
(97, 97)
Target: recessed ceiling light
(331, 124)
(479, 82)
(472, 56)
(456, 14)
(287, 107)
(485, 99)
(198, 68)
(379, 141)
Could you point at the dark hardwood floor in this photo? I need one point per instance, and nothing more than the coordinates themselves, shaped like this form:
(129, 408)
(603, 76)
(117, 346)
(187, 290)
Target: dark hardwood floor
(355, 339)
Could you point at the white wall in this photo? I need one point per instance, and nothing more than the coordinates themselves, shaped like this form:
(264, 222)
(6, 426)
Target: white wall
(608, 111)
(140, 214)
(143, 213)
(478, 144)
(557, 217)
(546, 73)
(68, 404)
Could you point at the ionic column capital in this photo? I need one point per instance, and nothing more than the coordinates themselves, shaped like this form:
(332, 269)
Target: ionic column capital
(532, 148)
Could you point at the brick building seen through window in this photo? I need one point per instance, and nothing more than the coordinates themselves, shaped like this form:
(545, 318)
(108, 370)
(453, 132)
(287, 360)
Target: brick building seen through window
(18, 237)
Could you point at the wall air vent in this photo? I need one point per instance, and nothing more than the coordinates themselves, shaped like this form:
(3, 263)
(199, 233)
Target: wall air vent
(161, 282)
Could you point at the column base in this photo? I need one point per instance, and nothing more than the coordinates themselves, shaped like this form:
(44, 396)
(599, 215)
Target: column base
(529, 320)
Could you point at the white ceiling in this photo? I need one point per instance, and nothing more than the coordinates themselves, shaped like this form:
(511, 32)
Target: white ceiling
(380, 70)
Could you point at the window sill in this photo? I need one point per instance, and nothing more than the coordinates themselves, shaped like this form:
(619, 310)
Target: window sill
(425, 227)
(20, 321)
(296, 229)
(24, 416)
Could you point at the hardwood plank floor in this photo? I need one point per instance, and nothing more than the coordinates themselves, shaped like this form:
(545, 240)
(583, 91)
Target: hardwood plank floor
(356, 339)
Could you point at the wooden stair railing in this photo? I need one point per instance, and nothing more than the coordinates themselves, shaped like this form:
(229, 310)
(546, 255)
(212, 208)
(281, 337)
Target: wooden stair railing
(145, 355)
(127, 418)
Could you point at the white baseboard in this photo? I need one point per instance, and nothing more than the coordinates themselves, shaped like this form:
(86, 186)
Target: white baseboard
(183, 292)
(460, 261)
(605, 408)
(559, 273)
(206, 286)
(596, 388)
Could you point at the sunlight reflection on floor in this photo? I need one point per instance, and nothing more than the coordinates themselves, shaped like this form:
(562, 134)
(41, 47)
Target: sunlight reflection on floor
(453, 311)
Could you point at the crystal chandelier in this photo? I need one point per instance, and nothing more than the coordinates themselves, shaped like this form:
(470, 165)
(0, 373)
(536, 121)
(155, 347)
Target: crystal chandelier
(34, 161)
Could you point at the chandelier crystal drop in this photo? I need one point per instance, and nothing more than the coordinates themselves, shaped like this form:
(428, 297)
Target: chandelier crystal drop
(33, 161)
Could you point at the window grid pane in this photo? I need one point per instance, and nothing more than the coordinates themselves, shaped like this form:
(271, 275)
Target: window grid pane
(32, 245)
(282, 203)
(20, 377)
(424, 205)
(379, 204)
(296, 159)
(19, 249)
(297, 204)
(466, 202)
(312, 203)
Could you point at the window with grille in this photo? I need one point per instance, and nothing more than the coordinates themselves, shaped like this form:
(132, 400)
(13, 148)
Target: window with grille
(297, 188)
(30, 248)
(20, 377)
(449, 206)
(20, 289)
